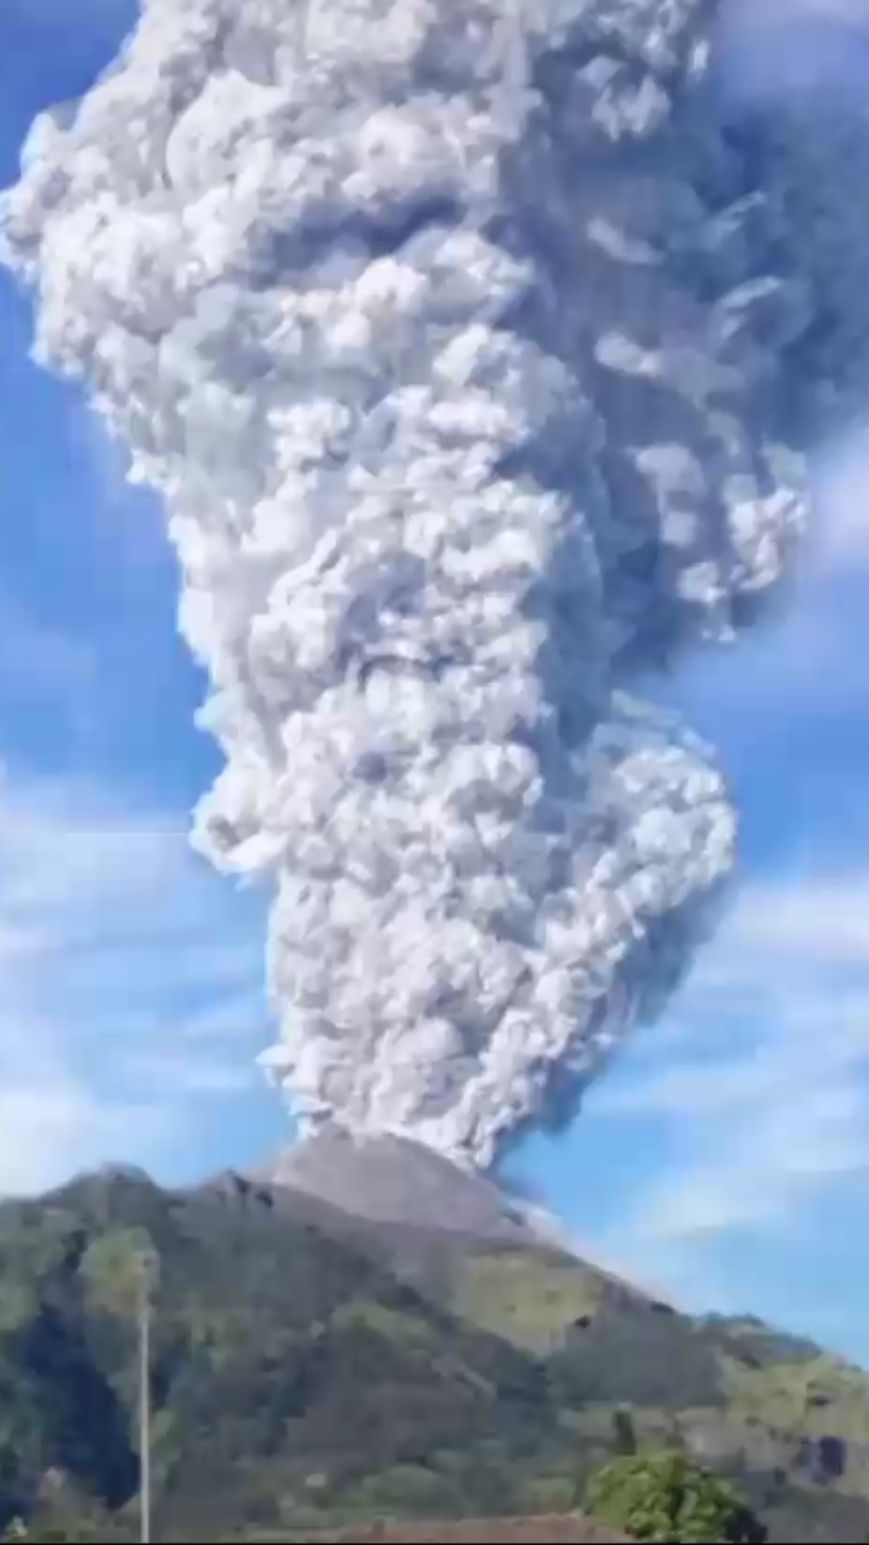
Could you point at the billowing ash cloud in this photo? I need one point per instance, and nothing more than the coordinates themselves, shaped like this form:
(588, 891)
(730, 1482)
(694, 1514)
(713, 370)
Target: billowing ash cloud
(463, 342)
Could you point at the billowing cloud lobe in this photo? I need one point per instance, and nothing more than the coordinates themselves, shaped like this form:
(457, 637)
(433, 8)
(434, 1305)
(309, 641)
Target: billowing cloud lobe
(466, 344)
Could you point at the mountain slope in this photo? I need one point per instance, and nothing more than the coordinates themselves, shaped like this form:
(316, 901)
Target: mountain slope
(388, 1179)
(313, 1367)
(289, 1367)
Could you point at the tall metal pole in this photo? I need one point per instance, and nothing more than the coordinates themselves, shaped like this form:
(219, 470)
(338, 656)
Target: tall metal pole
(145, 1404)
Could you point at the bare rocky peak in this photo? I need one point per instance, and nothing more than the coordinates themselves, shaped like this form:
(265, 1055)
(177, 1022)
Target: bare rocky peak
(391, 1180)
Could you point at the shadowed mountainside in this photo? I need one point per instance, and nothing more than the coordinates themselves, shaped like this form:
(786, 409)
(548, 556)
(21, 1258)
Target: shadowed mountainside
(318, 1370)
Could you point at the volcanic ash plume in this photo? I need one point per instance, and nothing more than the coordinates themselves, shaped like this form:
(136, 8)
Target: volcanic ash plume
(455, 336)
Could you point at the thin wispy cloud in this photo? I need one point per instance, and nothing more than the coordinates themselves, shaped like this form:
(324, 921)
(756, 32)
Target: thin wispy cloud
(770, 1163)
(53, 1128)
(818, 923)
(130, 983)
(765, 1125)
(36, 652)
(842, 485)
(780, 47)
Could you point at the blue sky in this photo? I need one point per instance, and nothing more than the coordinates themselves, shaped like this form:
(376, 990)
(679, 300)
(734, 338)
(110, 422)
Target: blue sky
(724, 1160)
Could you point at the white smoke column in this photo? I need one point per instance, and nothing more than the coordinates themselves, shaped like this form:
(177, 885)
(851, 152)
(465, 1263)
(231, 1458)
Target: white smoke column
(453, 333)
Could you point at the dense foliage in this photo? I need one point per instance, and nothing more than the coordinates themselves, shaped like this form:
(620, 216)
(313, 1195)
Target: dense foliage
(664, 1496)
(309, 1371)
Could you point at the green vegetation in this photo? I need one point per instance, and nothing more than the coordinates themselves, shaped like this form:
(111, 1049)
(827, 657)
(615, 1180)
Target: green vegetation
(45, 1534)
(117, 1268)
(664, 1496)
(310, 1372)
(529, 1300)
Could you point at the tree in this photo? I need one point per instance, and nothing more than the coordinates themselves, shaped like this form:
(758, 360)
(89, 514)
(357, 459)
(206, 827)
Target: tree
(121, 1271)
(624, 1434)
(665, 1496)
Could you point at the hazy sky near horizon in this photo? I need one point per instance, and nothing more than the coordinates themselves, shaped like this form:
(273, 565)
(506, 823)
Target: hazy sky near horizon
(725, 1158)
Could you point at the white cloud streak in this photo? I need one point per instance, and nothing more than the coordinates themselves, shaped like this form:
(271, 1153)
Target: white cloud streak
(763, 1130)
(130, 984)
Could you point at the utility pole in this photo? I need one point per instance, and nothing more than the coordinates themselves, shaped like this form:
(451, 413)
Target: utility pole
(122, 1270)
(145, 1408)
(147, 1280)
